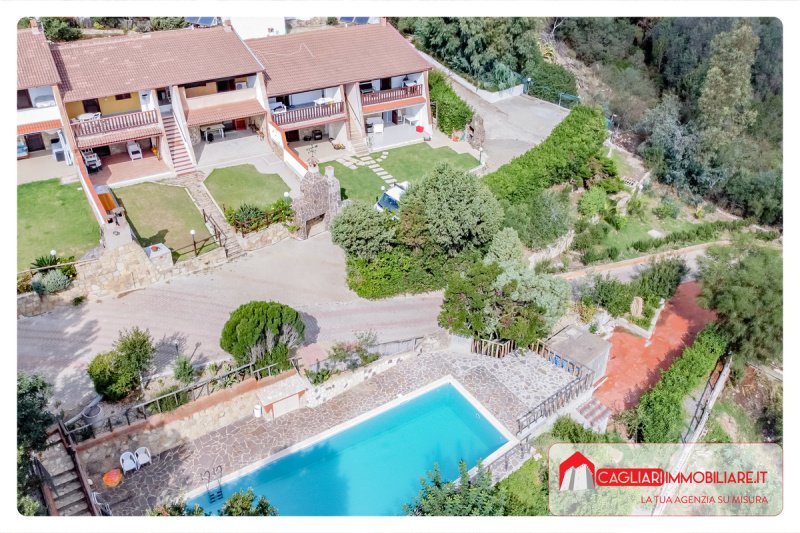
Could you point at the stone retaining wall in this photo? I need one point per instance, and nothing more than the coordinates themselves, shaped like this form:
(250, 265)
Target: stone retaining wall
(552, 251)
(341, 383)
(186, 423)
(258, 239)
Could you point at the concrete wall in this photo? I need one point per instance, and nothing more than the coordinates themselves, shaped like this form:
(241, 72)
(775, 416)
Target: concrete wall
(188, 422)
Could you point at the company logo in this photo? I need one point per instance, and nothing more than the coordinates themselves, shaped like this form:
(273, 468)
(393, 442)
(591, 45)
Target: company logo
(576, 473)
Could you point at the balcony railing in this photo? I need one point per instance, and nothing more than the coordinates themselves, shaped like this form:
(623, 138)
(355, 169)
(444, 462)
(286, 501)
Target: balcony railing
(302, 114)
(114, 123)
(390, 95)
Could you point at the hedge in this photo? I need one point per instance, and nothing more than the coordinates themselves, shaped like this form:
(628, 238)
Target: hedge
(557, 159)
(401, 271)
(704, 232)
(660, 414)
(452, 113)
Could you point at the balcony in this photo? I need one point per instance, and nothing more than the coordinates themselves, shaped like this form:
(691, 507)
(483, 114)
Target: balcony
(390, 95)
(114, 123)
(307, 114)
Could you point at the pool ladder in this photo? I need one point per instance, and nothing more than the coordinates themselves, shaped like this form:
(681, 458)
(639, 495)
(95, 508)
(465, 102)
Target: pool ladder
(213, 487)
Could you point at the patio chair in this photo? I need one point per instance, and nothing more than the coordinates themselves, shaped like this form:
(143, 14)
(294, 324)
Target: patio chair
(128, 462)
(103, 507)
(134, 150)
(143, 456)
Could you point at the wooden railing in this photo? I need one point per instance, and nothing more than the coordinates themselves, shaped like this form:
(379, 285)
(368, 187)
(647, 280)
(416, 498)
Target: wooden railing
(83, 479)
(115, 123)
(189, 393)
(303, 114)
(389, 95)
(220, 236)
(498, 349)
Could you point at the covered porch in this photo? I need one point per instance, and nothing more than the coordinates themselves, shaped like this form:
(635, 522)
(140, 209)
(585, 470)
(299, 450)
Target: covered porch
(394, 135)
(235, 145)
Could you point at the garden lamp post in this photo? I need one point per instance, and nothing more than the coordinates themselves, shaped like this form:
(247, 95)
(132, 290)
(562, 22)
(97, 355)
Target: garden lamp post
(53, 253)
(480, 155)
(194, 242)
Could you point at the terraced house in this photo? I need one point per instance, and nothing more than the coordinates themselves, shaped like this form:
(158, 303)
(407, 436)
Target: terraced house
(121, 110)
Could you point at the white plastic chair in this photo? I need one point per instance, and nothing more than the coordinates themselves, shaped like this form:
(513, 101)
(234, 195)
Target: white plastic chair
(128, 462)
(143, 456)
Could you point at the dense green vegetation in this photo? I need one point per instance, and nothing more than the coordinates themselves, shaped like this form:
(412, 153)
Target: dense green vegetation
(744, 285)
(660, 416)
(704, 94)
(118, 372)
(471, 497)
(33, 420)
(558, 159)
(242, 503)
(262, 333)
(452, 113)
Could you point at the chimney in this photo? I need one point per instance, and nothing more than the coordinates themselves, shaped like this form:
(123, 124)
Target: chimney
(34, 24)
(383, 21)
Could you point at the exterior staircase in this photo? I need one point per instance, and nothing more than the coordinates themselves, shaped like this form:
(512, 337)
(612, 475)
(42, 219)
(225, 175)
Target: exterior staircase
(177, 149)
(595, 414)
(355, 129)
(61, 475)
(217, 225)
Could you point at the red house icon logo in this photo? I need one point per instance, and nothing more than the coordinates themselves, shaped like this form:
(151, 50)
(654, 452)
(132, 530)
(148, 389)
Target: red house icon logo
(576, 473)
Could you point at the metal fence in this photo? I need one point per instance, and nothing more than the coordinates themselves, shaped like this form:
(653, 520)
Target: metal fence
(81, 431)
(381, 349)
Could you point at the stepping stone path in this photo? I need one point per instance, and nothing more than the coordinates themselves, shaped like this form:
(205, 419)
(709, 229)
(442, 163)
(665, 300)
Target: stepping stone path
(371, 163)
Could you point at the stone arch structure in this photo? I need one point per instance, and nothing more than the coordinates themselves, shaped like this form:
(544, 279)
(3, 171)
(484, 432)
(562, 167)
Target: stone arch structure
(320, 197)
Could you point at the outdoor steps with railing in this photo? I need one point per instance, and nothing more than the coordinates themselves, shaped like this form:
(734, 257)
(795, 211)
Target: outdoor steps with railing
(355, 129)
(177, 149)
(193, 182)
(63, 479)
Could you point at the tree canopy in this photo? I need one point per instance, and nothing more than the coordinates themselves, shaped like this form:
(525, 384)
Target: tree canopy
(475, 497)
(259, 329)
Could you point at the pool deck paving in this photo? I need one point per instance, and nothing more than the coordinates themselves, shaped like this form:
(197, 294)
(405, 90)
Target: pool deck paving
(507, 388)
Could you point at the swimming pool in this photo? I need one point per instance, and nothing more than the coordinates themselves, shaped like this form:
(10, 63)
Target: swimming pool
(374, 467)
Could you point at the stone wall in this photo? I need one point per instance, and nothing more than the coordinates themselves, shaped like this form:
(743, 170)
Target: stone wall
(552, 251)
(186, 423)
(258, 239)
(341, 383)
(117, 270)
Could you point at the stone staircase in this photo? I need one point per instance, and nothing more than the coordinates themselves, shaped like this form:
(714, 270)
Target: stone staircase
(595, 414)
(177, 149)
(193, 182)
(355, 129)
(61, 473)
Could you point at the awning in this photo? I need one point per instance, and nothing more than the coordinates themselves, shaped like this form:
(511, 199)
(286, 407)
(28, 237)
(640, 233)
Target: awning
(223, 112)
(33, 127)
(129, 134)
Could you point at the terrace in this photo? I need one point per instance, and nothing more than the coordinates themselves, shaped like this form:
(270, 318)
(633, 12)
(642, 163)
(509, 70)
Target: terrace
(120, 168)
(392, 95)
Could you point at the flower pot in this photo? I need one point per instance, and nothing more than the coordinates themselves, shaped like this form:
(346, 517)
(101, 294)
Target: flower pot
(93, 415)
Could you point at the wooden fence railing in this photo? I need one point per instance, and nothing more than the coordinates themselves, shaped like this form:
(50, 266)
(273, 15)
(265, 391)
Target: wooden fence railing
(303, 114)
(390, 95)
(81, 431)
(114, 123)
(498, 349)
(219, 235)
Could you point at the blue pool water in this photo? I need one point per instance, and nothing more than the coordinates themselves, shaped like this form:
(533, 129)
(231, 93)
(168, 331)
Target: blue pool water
(374, 467)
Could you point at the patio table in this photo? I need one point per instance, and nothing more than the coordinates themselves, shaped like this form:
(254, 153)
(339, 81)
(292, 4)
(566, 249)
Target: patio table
(323, 101)
(219, 128)
(87, 116)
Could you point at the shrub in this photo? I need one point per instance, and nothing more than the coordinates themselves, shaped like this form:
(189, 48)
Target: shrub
(593, 202)
(567, 430)
(617, 221)
(539, 220)
(612, 295)
(183, 371)
(257, 328)
(170, 403)
(452, 113)
(505, 248)
(661, 278)
(556, 160)
(476, 496)
(319, 376)
(548, 80)
(353, 354)
(594, 235)
(103, 374)
(660, 414)
(667, 209)
(361, 231)
(50, 282)
(611, 185)
(117, 373)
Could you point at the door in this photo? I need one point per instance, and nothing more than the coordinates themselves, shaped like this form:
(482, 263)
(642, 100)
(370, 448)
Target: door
(23, 99)
(34, 142)
(240, 123)
(91, 106)
(386, 83)
(395, 117)
(292, 136)
(226, 85)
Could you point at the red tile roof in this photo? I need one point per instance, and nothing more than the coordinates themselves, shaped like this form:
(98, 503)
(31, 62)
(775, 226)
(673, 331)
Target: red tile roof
(35, 66)
(219, 113)
(116, 65)
(326, 58)
(129, 134)
(33, 127)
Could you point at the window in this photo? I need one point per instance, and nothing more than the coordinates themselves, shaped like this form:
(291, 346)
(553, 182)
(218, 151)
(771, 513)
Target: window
(195, 84)
(23, 99)
(226, 85)
(123, 96)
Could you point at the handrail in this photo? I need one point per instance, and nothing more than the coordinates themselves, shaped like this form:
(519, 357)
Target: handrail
(140, 410)
(115, 123)
(69, 444)
(388, 95)
(219, 234)
(46, 484)
(302, 114)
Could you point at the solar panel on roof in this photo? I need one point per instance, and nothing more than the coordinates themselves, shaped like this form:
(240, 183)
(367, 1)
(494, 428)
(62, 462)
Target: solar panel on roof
(191, 20)
(346, 19)
(206, 21)
(361, 20)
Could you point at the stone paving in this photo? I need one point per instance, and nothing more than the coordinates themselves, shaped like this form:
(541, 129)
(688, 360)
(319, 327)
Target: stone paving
(505, 387)
(353, 162)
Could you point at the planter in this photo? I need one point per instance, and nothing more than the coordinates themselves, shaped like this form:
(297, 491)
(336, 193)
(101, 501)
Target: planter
(93, 415)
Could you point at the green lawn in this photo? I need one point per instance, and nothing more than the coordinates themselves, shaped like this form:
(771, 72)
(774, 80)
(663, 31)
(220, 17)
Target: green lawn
(233, 186)
(51, 216)
(527, 495)
(411, 163)
(747, 429)
(407, 163)
(165, 214)
(622, 164)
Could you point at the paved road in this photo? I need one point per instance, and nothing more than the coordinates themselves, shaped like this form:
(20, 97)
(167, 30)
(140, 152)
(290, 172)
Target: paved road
(191, 310)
